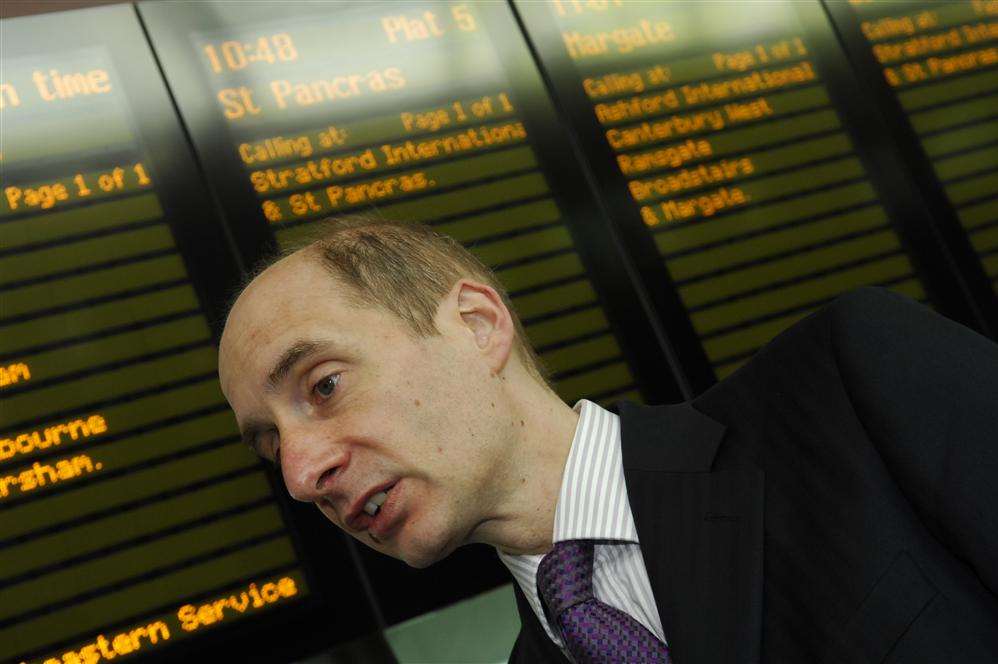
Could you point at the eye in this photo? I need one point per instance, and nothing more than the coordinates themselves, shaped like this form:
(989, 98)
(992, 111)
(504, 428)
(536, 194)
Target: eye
(325, 387)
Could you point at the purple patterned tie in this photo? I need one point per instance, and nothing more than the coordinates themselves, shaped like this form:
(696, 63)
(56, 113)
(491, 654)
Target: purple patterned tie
(593, 631)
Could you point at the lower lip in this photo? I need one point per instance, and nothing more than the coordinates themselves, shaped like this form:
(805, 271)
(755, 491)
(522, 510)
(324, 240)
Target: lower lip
(389, 516)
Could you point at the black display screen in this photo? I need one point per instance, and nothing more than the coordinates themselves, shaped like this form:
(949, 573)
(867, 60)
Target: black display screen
(662, 187)
(941, 59)
(430, 112)
(409, 111)
(715, 132)
(131, 517)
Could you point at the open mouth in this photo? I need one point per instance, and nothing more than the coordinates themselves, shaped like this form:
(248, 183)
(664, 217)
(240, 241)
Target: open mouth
(377, 500)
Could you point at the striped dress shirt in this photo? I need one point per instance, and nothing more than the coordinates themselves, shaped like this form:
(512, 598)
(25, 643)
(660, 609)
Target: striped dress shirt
(593, 504)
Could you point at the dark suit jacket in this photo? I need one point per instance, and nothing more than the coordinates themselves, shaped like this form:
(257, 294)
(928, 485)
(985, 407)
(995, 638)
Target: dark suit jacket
(834, 500)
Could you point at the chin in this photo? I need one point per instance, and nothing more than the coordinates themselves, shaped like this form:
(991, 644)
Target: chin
(418, 563)
(424, 552)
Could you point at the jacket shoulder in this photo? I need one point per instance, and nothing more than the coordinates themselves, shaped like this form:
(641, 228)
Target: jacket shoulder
(873, 313)
(884, 339)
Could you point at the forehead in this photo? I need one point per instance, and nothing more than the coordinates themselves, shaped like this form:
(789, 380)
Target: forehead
(293, 299)
(293, 289)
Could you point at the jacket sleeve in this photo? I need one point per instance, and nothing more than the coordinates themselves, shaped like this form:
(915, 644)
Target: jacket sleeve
(926, 390)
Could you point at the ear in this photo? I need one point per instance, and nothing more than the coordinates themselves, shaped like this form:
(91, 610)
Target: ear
(483, 315)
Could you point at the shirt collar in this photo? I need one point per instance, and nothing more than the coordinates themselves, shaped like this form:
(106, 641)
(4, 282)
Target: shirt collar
(593, 500)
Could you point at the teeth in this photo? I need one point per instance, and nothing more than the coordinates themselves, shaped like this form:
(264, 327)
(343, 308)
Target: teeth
(376, 501)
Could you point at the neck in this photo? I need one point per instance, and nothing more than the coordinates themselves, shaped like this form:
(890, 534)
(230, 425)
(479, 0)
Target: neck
(520, 518)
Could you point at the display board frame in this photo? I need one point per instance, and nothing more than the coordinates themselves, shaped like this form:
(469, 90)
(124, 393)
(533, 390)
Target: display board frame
(927, 244)
(169, 28)
(596, 240)
(907, 170)
(303, 627)
(214, 213)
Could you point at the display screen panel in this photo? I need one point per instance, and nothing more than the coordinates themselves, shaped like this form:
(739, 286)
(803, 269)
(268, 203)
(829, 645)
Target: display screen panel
(408, 111)
(430, 112)
(941, 60)
(132, 519)
(729, 152)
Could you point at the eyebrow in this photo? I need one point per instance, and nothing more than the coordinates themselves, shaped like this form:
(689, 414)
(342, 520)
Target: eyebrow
(298, 351)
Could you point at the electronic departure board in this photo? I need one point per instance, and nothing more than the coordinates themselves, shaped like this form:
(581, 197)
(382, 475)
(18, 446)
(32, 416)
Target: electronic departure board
(714, 133)
(132, 519)
(429, 112)
(662, 187)
(942, 61)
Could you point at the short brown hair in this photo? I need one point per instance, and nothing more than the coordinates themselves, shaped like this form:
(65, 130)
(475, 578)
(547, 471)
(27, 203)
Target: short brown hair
(405, 268)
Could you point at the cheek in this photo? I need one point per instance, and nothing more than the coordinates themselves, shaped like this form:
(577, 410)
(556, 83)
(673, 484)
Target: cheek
(329, 513)
(411, 403)
(424, 406)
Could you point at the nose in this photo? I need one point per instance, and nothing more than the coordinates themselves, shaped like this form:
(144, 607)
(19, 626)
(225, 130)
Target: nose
(310, 462)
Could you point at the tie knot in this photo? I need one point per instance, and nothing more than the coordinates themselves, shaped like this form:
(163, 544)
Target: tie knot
(565, 575)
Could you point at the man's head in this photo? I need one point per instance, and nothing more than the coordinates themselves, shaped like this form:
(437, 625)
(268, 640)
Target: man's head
(382, 354)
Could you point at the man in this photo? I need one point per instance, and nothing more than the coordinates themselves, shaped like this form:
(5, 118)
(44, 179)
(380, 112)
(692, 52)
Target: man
(833, 501)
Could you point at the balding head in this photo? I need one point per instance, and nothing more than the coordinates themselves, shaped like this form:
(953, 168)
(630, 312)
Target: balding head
(404, 268)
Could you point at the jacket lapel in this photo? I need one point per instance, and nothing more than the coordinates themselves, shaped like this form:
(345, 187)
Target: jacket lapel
(700, 530)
